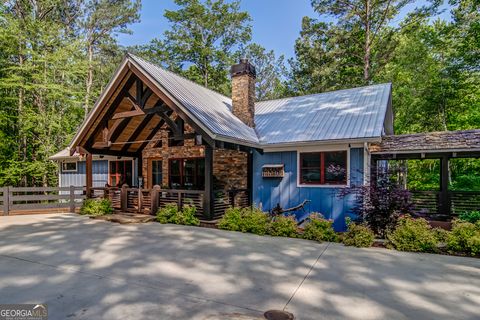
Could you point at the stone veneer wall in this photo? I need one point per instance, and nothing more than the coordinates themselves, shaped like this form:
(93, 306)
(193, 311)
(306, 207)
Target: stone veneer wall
(229, 166)
(230, 169)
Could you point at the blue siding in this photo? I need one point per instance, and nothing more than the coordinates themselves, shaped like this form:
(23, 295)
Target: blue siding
(99, 170)
(267, 192)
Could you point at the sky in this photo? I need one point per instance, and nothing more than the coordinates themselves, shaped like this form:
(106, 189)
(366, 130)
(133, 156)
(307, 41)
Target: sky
(276, 23)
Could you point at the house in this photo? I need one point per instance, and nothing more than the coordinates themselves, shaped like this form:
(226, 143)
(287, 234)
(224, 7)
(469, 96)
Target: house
(151, 127)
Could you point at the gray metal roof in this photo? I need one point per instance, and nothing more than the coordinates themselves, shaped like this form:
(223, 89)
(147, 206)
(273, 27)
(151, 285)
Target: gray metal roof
(212, 109)
(345, 114)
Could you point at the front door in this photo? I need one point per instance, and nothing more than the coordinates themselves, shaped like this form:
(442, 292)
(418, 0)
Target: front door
(120, 173)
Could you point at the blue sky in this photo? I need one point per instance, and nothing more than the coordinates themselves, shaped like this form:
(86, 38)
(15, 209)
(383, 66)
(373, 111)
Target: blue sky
(276, 23)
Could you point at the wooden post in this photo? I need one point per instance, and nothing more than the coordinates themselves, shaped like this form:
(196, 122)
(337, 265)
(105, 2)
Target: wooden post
(140, 169)
(444, 200)
(208, 196)
(72, 199)
(154, 194)
(250, 177)
(124, 198)
(6, 201)
(140, 200)
(179, 200)
(89, 174)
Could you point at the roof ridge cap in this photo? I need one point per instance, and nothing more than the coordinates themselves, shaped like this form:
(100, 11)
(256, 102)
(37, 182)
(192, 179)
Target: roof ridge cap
(326, 92)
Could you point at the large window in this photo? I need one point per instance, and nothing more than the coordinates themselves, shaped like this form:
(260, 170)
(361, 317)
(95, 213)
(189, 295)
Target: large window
(120, 173)
(187, 174)
(323, 168)
(157, 175)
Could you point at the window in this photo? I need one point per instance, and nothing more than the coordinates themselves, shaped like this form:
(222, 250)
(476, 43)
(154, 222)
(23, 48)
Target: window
(187, 174)
(120, 173)
(157, 175)
(69, 167)
(323, 168)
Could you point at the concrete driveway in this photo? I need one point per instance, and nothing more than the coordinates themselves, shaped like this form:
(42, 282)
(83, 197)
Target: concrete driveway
(86, 269)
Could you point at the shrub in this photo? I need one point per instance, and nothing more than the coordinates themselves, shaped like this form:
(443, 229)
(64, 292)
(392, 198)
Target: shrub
(319, 229)
(470, 216)
(231, 220)
(254, 221)
(464, 237)
(171, 214)
(168, 214)
(251, 220)
(283, 226)
(96, 207)
(413, 235)
(380, 204)
(358, 236)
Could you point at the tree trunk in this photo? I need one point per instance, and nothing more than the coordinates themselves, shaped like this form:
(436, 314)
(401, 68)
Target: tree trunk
(89, 80)
(366, 57)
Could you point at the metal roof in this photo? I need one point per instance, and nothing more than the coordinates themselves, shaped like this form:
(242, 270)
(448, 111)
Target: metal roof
(338, 115)
(211, 108)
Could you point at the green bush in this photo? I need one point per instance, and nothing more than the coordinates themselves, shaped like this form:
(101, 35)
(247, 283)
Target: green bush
(251, 220)
(96, 207)
(171, 214)
(283, 226)
(231, 220)
(319, 229)
(359, 236)
(413, 235)
(470, 216)
(254, 221)
(464, 237)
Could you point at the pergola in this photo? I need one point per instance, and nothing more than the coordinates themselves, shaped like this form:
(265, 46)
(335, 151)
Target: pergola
(444, 146)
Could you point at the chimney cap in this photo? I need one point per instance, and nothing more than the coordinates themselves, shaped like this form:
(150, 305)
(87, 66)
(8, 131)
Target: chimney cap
(243, 67)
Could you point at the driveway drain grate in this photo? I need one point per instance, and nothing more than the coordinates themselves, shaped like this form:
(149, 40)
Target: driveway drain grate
(278, 315)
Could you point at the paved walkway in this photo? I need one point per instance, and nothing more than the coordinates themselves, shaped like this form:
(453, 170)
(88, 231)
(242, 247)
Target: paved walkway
(86, 269)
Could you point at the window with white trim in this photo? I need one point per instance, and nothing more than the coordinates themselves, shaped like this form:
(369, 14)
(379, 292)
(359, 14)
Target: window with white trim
(323, 168)
(69, 166)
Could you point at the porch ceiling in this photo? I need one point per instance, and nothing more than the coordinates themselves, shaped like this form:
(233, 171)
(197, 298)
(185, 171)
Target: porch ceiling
(128, 120)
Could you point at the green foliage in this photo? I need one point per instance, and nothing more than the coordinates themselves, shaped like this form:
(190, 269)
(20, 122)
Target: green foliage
(231, 220)
(358, 235)
(283, 226)
(44, 68)
(254, 221)
(171, 214)
(251, 220)
(202, 35)
(96, 207)
(413, 235)
(464, 237)
(470, 216)
(319, 229)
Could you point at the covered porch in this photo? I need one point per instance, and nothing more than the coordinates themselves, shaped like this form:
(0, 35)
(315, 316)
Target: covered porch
(442, 203)
(177, 158)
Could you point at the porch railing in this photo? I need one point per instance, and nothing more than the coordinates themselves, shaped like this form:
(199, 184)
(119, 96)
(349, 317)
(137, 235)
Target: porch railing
(148, 201)
(457, 202)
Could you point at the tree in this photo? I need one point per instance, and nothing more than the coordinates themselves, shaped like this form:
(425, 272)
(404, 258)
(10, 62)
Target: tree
(354, 47)
(270, 71)
(202, 39)
(102, 18)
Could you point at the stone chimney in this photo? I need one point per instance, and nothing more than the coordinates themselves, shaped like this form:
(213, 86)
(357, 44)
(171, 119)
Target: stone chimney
(243, 91)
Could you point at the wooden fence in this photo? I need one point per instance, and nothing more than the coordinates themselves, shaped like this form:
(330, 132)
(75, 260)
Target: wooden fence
(18, 200)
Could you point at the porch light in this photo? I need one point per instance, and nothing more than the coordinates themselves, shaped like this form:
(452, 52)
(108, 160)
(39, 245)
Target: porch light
(198, 139)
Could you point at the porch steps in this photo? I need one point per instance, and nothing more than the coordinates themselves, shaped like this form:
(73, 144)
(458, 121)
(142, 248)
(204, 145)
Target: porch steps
(209, 223)
(126, 218)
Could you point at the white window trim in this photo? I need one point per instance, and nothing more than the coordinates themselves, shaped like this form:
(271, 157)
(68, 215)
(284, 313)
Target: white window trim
(323, 149)
(73, 170)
